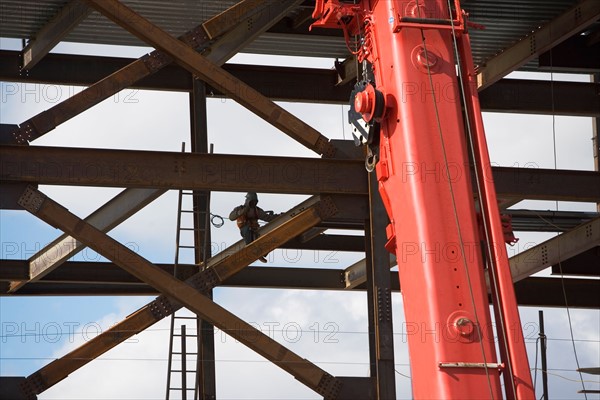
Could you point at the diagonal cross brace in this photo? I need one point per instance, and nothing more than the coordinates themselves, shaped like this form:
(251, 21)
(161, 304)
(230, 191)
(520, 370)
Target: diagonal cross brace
(111, 214)
(133, 199)
(183, 294)
(229, 23)
(215, 76)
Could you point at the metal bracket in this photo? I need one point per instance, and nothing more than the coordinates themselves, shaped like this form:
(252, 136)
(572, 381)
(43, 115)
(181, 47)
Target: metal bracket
(197, 38)
(497, 366)
(31, 199)
(25, 133)
(156, 60)
(384, 305)
(329, 387)
(326, 208)
(161, 307)
(205, 280)
(324, 147)
(33, 385)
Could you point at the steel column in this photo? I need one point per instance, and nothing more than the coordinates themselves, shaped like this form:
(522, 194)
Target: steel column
(206, 385)
(596, 135)
(379, 287)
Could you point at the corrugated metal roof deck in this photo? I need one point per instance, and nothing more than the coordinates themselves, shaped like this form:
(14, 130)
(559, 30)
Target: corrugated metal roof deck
(506, 22)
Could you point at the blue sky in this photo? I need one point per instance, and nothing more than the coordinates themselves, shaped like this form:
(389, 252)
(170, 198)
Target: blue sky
(159, 121)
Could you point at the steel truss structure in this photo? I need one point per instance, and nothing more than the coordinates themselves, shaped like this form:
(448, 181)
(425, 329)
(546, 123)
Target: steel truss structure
(343, 193)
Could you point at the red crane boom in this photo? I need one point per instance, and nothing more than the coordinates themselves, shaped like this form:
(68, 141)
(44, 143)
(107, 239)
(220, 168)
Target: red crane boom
(427, 145)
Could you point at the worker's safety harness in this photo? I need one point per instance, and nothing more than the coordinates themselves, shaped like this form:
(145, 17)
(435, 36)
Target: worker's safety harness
(243, 220)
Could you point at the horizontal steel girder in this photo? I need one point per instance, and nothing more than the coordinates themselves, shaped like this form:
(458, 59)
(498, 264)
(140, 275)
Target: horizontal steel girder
(293, 84)
(90, 278)
(171, 170)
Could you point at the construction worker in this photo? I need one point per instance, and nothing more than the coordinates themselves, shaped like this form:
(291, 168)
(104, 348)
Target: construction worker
(247, 217)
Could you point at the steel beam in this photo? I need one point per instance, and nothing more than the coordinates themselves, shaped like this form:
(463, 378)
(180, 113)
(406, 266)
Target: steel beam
(89, 278)
(170, 170)
(53, 32)
(583, 264)
(175, 170)
(546, 184)
(326, 242)
(180, 294)
(542, 97)
(215, 76)
(547, 220)
(575, 55)
(554, 32)
(552, 292)
(232, 20)
(555, 250)
(279, 83)
(294, 84)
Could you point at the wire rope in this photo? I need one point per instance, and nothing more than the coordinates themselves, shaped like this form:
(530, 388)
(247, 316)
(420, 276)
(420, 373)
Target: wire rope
(456, 219)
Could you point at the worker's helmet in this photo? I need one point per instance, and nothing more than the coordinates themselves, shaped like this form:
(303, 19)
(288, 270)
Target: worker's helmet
(252, 196)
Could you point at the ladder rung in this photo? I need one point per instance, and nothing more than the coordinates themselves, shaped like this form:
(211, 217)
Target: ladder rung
(190, 229)
(188, 371)
(186, 247)
(187, 353)
(186, 335)
(184, 317)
